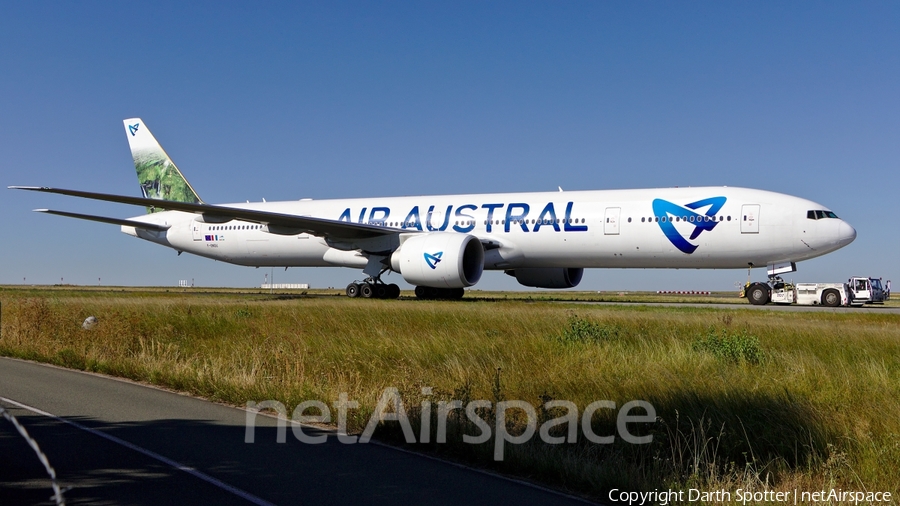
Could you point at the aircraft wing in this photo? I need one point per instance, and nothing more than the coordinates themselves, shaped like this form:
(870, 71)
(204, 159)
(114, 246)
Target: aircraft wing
(104, 219)
(277, 222)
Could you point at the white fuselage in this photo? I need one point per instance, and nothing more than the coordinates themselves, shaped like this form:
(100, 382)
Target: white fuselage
(704, 228)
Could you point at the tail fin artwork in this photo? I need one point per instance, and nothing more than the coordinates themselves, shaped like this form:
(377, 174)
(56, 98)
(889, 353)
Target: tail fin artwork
(158, 176)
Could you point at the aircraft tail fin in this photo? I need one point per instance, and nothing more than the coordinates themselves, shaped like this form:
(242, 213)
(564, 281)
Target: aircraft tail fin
(157, 174)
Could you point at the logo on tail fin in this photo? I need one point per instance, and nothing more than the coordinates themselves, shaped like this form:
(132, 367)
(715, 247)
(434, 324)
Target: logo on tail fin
(158, 176)
(662, 209)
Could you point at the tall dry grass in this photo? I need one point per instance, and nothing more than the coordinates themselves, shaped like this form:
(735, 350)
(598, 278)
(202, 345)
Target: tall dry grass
(744, 398)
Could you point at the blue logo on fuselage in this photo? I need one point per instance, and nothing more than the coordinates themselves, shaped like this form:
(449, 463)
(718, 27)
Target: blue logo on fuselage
(666, 212)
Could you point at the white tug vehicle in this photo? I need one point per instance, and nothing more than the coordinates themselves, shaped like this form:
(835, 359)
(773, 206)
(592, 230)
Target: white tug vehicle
(778, 291)
(813, 294)
(804, 294)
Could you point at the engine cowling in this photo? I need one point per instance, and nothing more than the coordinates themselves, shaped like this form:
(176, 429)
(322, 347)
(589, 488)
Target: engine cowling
(548, 277)
(440, 259)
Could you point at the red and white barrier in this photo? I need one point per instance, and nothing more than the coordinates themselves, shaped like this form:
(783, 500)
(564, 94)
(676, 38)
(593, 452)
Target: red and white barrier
(682, 292)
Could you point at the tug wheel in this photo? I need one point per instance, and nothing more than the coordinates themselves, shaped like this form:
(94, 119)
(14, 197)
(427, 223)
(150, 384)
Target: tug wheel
(758, 295)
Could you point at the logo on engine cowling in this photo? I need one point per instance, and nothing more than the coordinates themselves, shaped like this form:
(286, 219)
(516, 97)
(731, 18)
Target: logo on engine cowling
(432, 259)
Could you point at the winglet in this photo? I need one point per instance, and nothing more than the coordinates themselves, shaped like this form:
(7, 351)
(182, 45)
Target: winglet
(157, 174)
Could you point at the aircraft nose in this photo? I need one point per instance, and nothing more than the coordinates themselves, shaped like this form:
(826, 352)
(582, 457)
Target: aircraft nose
(846, 233)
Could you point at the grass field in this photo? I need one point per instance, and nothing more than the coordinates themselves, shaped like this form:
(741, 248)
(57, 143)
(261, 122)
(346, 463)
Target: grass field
(744, 399)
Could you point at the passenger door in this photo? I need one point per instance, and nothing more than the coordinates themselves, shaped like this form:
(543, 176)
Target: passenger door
(750, 219)
(611, 221)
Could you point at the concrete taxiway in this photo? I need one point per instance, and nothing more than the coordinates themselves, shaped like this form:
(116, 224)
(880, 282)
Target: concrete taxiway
(117, 442)
(869, 309)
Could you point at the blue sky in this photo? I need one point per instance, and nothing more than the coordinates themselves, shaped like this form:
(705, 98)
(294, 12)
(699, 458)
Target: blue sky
(327, 100)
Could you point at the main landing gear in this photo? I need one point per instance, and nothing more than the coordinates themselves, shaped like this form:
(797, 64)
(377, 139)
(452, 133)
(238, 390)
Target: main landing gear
(430, 293)
(373, 288)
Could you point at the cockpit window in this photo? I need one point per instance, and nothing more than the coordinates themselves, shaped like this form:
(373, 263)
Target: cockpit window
(819, 215)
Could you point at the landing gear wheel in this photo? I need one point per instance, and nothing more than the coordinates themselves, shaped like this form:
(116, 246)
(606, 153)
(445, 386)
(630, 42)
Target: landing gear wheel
(393, 291)
(366, 290)
(831, 298)
(758, 295)
(352, 290)
(432, 293)
(381, 291)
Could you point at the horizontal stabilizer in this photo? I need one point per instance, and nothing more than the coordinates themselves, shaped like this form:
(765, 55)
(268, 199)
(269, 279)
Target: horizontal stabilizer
(104, 219)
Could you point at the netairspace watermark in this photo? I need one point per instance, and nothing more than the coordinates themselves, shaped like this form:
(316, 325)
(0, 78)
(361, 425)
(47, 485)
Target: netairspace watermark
(390, 407)
(743, 496)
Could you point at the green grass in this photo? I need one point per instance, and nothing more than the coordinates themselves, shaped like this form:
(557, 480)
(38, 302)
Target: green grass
(806, 400)
(732, 346)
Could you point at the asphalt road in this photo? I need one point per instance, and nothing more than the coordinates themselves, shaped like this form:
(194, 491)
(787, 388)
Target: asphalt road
(117, 442)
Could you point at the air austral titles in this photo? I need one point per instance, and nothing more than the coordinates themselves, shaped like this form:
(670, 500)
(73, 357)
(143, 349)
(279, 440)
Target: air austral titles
(443, 243)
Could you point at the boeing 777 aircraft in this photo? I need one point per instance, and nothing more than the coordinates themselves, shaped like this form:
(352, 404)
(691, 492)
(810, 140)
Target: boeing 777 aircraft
(443, 243)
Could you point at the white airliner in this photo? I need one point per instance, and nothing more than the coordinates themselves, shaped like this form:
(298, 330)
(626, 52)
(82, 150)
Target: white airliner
(443, 243)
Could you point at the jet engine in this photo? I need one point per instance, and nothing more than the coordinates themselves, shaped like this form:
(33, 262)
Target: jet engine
(548, 277)
(440, 260)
